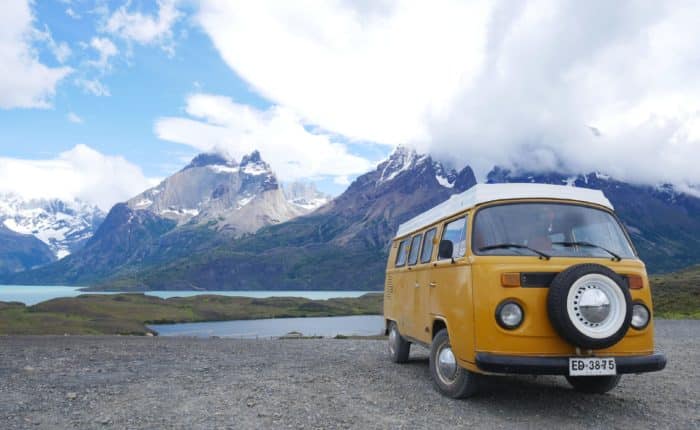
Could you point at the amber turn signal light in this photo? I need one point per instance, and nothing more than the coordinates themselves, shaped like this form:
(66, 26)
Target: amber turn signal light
(510, 280)
(636, 282)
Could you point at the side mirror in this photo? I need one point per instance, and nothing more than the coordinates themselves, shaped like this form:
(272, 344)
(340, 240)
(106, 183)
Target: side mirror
(445, 250)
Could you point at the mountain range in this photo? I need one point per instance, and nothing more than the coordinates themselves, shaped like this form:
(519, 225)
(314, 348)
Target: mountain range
(210, 201)
(222, 225)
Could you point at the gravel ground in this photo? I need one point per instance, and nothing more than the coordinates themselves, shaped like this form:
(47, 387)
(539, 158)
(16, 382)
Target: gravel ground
(131, 382)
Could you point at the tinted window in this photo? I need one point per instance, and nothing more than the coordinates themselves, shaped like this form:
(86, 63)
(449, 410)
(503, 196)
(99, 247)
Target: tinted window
(553, 228)
(456, 232)
(413, 253)
(427, 252)
(401, 254)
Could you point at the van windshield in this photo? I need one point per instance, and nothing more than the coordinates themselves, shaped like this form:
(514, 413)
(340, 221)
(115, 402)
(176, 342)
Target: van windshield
(555, 229)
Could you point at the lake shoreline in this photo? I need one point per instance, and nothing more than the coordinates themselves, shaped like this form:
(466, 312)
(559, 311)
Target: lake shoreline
(129, 314)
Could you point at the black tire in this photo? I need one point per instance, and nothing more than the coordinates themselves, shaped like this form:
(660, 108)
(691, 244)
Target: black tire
(399, 348)
(593, 384)
(558, 316)
(463, 384)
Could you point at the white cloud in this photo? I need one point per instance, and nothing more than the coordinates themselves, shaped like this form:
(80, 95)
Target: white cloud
(74, 118)
(61, 51)
(105, 50)
(484, 82)
(73, 14)
(145, 29)
(369, 74)
(93, 86)
(24, 82)
(218, 123)
(81, 173)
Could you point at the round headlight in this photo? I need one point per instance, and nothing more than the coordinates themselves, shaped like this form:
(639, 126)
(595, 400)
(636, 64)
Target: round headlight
(640, 316)
(509, 315)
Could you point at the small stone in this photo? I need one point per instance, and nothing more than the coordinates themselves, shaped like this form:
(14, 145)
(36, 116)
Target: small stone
(71, 396)
(29, 369)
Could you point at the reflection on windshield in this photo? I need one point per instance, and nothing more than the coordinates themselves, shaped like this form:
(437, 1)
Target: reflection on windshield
(563, 230)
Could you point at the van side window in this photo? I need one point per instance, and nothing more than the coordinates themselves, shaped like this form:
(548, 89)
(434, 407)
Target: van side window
(427, 252)
(401, 254)
(415, 248)
(456, 232)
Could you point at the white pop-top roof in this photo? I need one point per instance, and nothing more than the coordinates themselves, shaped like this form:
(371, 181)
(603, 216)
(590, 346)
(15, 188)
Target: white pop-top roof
(482, 193)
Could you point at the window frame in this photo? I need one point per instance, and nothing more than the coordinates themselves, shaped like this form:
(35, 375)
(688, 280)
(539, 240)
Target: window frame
(573, 203)
(463, 216)
(432, 246)
(398, 253)
(418, 236)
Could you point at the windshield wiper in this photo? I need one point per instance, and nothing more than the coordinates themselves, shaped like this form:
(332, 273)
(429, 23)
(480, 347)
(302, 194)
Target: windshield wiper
(615, 257)
(515, 245)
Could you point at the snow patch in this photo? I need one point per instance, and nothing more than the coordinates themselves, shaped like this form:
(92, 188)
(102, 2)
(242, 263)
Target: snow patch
(244, 201)
(143, 204)
(255, 169)
(217, 168)
(180, 212)
(12, 225)
(444, 181)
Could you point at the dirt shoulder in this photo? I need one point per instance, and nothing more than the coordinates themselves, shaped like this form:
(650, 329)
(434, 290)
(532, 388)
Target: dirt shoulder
(137, 382)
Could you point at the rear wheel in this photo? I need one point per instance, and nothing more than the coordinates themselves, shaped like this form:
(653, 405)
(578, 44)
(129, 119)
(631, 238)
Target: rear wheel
(450, 379)
(593, 384)
(399, 348)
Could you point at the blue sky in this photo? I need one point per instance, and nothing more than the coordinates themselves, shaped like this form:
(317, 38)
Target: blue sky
(145, 82)
(92, 89)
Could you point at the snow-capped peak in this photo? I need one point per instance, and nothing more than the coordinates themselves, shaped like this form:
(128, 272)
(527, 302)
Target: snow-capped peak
(253, 164)
(211, 160)
(63, 225)
(401, 160)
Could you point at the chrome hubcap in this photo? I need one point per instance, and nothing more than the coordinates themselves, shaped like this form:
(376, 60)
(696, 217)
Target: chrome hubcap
(392, 340)
(446, 364)
(594, 305)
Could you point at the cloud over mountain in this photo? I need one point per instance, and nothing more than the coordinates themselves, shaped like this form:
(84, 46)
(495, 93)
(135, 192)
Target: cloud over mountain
(598, 85)
(294, 152)
(80, 173)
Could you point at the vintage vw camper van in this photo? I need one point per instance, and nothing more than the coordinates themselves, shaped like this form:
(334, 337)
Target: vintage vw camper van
(520, 279)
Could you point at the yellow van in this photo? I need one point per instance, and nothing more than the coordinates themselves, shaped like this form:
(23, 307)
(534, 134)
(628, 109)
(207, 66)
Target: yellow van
(520, 279)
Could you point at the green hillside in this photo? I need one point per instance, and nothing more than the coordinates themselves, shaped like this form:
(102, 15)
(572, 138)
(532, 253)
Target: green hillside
(677, 295)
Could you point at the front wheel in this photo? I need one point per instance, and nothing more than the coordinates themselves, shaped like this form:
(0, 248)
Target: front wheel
(448, 378)
(399, 348)
(593, 384)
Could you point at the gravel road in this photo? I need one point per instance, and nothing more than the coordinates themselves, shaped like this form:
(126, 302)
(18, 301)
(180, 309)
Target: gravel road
(182, 383)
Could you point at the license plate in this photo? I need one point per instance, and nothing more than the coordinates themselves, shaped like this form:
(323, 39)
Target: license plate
(592, 366)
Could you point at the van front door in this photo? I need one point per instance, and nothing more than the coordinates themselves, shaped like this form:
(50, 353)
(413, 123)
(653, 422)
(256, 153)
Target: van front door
(450, 288)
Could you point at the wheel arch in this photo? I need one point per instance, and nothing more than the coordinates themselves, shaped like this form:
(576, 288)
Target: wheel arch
(438, 324)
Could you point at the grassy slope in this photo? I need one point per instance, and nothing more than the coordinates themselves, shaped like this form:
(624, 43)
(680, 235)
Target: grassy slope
(128, 313)
(677, 295)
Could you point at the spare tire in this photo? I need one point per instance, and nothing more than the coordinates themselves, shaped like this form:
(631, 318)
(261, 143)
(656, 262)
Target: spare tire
(590, 306)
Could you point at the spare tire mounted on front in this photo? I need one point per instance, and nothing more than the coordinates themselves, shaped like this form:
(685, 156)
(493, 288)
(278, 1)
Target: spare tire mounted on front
(590, 306)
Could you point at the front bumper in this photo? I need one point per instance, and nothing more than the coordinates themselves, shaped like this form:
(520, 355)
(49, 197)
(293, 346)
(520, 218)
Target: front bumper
(493, 363)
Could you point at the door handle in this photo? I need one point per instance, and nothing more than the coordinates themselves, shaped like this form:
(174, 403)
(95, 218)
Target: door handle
(432, 285)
